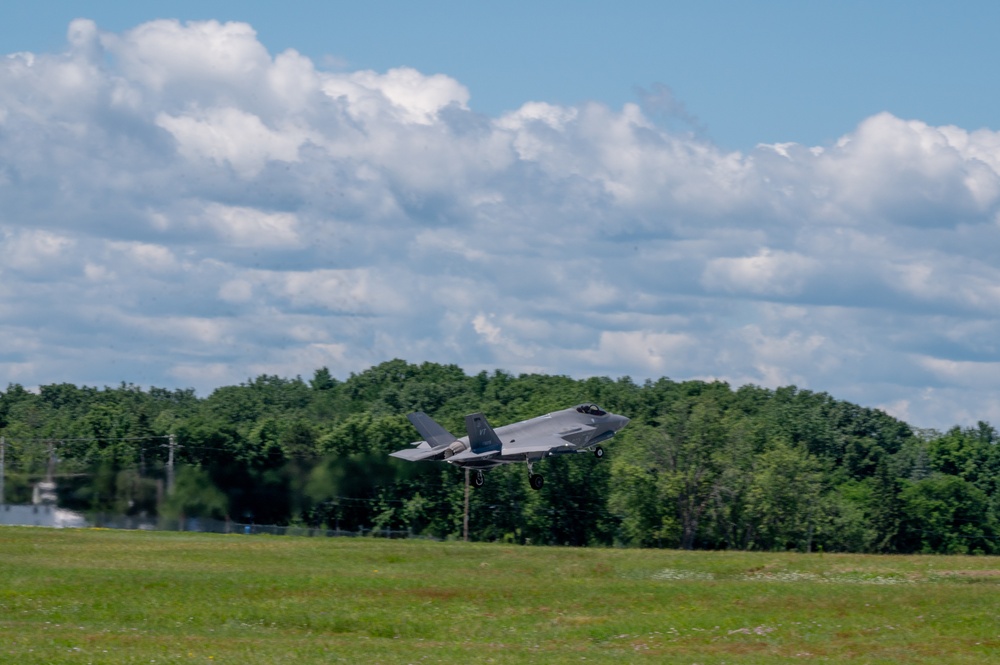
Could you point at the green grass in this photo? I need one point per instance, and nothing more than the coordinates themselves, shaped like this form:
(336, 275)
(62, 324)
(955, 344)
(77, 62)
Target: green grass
(95, 596)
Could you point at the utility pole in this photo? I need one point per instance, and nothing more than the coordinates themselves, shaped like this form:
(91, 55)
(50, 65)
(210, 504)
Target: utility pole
(50, 470)
(465, 521)
(171, 444)
(3, 452)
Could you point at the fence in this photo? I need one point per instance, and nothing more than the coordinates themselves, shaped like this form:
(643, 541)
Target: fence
(39, 515)
(31, 515)
(206, 525)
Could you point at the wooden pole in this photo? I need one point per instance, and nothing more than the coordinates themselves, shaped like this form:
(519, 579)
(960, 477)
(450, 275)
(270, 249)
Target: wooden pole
(465, 521)
(171, 444)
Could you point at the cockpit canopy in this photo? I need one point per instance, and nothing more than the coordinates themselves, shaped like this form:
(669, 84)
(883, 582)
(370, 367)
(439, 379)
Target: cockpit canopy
(591, 409)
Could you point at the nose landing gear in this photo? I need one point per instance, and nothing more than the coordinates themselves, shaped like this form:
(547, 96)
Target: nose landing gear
(598, 452)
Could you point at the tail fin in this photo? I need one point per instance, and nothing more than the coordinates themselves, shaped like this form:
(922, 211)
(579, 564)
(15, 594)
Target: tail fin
(482, 438)
(433, 433)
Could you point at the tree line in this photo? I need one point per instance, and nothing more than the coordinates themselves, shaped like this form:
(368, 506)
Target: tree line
(701, 465)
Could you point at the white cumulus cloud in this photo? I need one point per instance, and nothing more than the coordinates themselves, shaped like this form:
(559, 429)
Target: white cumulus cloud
(180, 206)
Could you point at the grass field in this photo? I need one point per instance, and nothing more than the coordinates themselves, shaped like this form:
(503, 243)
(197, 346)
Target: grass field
(94, 596)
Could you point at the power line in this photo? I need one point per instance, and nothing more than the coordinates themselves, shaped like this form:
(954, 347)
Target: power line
(66, 439)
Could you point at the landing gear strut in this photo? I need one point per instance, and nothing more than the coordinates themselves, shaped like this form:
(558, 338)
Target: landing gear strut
(534, 479)
(477, 479)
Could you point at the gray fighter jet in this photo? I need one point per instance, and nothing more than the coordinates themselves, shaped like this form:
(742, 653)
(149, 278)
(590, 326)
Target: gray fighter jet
(575, 430)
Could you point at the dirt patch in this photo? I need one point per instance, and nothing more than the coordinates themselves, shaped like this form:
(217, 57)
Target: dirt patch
(580, 620)
(433, 594)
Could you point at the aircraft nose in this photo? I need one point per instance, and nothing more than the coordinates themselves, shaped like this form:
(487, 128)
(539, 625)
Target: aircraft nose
(620, 421)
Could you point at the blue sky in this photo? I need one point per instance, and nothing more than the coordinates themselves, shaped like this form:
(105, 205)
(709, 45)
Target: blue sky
(770, 193)
(750, 72)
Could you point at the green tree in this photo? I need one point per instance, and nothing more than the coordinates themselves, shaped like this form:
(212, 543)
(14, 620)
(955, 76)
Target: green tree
(945, 514)
(666, 480)
(886, 510)
(636, 497)
(195, 495)
(784, 499)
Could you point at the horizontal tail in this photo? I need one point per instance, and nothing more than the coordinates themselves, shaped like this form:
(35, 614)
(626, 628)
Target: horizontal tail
(433, 433)
(418, 454)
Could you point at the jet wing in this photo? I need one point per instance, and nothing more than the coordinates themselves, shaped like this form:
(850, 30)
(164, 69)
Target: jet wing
(566, 440)
(469, 455)
(576, 435)
(555, 446)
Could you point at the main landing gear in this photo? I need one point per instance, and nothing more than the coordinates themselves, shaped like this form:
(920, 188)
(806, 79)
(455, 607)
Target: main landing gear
(534, 479)
(478, 480)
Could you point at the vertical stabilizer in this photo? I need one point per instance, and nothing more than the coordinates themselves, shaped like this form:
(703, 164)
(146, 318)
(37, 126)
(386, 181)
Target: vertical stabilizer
(482, 438)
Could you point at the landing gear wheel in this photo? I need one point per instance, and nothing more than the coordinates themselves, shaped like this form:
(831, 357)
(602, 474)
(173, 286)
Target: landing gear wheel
(536, 481)
(478, 480)
(598, 452)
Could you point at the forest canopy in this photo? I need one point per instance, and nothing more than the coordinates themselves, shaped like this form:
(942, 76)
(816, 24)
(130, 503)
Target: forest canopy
(701, 465)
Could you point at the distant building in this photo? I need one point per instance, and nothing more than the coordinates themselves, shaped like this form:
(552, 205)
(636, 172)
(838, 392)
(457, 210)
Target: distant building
(44, 494)
(42, 511)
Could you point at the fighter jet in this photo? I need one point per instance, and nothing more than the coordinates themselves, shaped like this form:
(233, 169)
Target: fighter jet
(574, 430)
